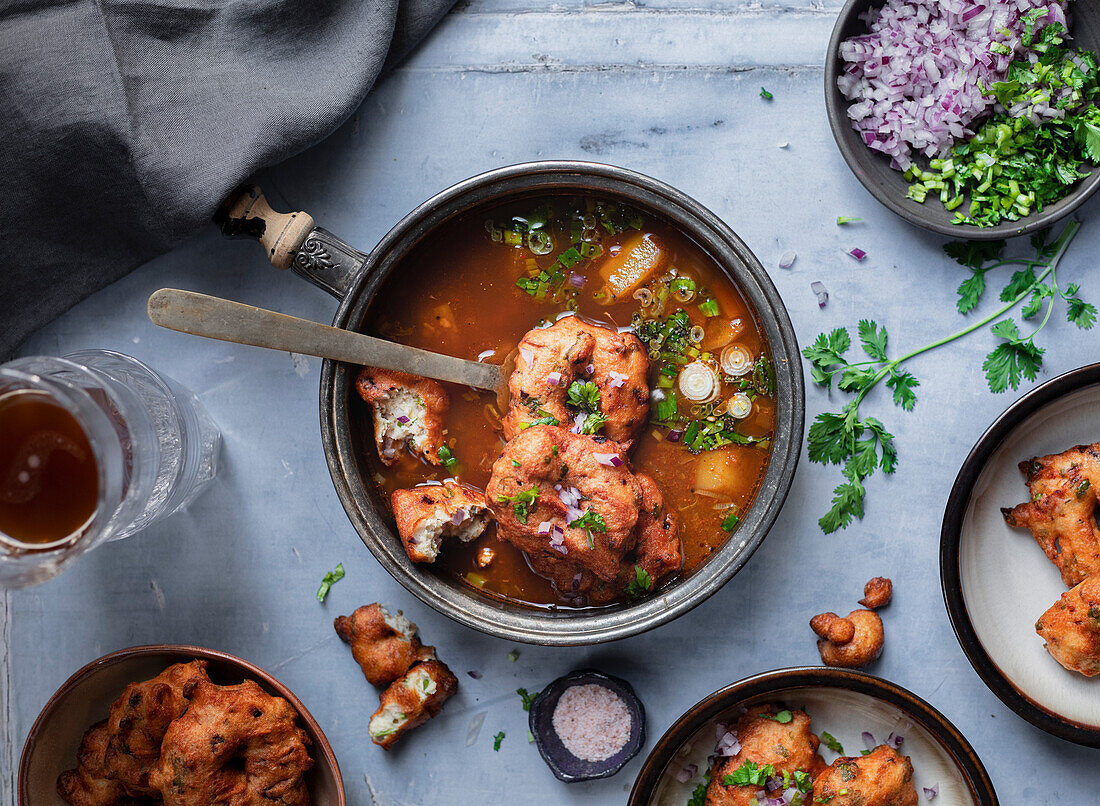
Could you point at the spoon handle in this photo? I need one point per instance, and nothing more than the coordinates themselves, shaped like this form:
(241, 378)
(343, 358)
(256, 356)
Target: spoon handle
(217, 318)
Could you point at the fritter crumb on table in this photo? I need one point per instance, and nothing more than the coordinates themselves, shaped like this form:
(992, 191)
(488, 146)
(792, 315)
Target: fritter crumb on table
(236, 745)
(384, 645)
(411, 701)
(408, 412)
(1062, 511)
(787, 746)
(1071, 628)
(883, 777)
(431, 513)
(849, 642)
(877, 593)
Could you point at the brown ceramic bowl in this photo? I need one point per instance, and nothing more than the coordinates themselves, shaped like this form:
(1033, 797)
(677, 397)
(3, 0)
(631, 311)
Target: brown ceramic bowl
(889, 186)
(841, 701)
(85, 697)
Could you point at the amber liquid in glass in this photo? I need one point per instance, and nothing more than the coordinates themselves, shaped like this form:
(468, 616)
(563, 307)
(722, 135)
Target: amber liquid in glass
(49, 481)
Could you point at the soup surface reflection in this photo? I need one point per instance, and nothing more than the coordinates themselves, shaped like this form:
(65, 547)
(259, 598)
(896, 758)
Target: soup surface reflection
(487, 278)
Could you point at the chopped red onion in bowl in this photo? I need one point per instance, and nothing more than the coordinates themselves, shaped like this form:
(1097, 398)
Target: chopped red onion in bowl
(553, 378)
(617, 379)
(857, 253)
(402, 420)
(576, 280)
(685, 774)
(609, 459)
(544, 528)
(728, 744)
(822, 295)
(578, 422)
(458, 517)
(590, 369)
(528, 354)
(868, 739)
(895, 740)
(674, 435)
(931, 791)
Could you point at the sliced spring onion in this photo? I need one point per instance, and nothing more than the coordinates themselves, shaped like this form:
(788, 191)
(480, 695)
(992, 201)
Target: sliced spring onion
(739, 406)
(699, 382)
(683, 288)
(709, 307)
(736, 360)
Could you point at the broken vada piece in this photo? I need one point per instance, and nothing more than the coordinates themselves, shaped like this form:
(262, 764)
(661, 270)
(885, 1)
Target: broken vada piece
(580, 375)
(139, 719)
(88, 784)
(384, 645)
(429, 514)
(1071, 628)
(1061, 513)
(553, 492)
(234, 745)
(883, 777)
(774, 743)
(408, 413)
(877, 593)
(411, 701)
(849, 642)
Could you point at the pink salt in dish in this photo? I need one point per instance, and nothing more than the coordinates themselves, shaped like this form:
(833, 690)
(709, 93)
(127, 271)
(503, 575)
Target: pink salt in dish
(592, 722)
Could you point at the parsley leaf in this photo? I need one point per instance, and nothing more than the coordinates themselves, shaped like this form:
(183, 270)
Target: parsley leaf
(584, 395)
(641, 584)
(590, 520)
(521, 502)
(782, 717)
(830, 741)
(497, 740)
(748, 774)
(527, 698)
(330, 579)
(873, 339)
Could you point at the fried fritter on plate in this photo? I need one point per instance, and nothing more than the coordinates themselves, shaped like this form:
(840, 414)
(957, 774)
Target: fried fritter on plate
(1071, 628)
(235, 745)
(429, 514)
(787, 746)
(408, 412)
(411, 701)
(883, 777)
(1062, 511)
(88, 784)
(383, 644)
(138, 720)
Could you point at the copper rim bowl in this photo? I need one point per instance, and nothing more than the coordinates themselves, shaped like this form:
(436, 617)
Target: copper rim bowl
(785, 684)
(355, 278)
(84, 698)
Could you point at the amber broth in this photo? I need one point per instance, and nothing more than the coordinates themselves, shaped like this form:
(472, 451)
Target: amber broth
(458, 295)
(49, 481)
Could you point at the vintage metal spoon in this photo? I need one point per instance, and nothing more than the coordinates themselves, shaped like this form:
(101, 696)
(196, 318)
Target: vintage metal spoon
(223, 319)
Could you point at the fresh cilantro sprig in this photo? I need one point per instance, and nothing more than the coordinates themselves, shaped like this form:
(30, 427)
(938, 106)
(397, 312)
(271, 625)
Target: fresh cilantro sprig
(521, 502)
(749, 773)
(862, 445)
(641, 584)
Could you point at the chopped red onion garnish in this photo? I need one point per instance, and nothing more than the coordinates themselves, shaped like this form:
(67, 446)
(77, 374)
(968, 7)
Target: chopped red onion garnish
(685, 774)
(576, 280)
(430, 483)
(528, 354)
(553, 378)
(895, 741)
(857, 253)
(486, 354)
(728, 744)
(557, 540)
(822, 294)
(458, 517)
(786, 260)
(578, 422)
(544, 528)
(674, 435)
(590, 369)
(476, 675)
(931, 791)
(868, 739)
(609, 459)
(402, 419)
(618, 379)
(576, 583)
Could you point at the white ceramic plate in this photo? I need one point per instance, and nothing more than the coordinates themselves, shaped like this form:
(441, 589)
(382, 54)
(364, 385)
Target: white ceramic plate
(842, 702)
(997, 581)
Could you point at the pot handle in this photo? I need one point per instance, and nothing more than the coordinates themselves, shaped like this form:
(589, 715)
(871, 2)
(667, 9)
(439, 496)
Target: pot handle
(290, 240)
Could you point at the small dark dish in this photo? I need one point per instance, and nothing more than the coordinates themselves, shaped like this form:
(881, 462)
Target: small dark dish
(841, 701)
(889, 186)
(85, 697)
(994, 614)
(565, 766)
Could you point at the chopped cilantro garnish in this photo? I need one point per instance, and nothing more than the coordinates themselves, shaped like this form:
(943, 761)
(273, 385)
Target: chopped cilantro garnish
(830, 741)
(843, 219)
(783, 717)
(513, 656)
(767, 96)
(330, 579)
(515, 463)
(749, 773)
(641, 584)
(698, 796)
(521, 502)
(1083, 488)
(497, 740)
(446, 457)
(527, 698)
(590, 520)
(593, 423)
(729, 523)
(584, 395)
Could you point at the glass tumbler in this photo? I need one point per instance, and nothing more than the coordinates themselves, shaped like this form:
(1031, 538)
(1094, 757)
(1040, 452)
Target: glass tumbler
(153, 450)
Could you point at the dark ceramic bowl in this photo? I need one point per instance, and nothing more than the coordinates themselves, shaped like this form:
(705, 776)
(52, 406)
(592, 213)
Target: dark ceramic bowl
(85, 698)
(565, 766)
(356, 279)
(889, 186)
(841, 701)
(994, 614)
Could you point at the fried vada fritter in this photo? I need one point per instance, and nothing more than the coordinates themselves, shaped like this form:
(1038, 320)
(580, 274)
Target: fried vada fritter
(411, 701)
(408, 412)
(1062, 511)
(431, 513)
(383, 644)
(547, 479)
(235, 745)
(575, 349)
(138, 720)
(1071, 628)
(849, 642)
(884, 777)
(88, 784)
(787, 746)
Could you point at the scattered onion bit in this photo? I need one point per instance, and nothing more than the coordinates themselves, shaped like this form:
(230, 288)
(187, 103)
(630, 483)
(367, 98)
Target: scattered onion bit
(553, 378)
(458, 517)
(739, 406)
(857, 253)
(931, 791)
(822, 295)
(685, 774)
(528, 354)
(609, 459)
(617, 379)
(403, 420)
(787, 259)
(576, 280)
(868, 739)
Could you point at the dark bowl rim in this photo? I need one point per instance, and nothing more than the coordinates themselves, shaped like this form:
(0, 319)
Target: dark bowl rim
(183, 650)
(951, 538)
(938, 726)
(835, 105)
(534, 626)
